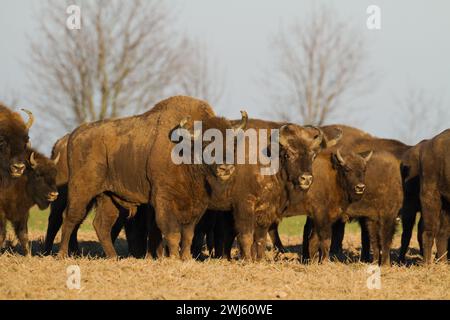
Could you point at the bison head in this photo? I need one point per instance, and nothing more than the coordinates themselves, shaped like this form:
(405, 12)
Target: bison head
(41, 184)
(14, 141)
(219, 169)
(351, 169)
(299, 148)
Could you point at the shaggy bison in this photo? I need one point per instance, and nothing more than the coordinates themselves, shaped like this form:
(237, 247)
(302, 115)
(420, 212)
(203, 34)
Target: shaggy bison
(394, 151)
(131, 159)
(339, 182)
(377, 210)
(262, 199)
(36, 186)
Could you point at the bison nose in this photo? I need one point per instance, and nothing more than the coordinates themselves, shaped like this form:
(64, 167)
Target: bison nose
(17, 169)
(360, 188)
(52, 196)
(305, 181)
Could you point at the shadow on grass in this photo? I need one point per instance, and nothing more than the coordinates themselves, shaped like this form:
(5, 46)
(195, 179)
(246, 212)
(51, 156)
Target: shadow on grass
(353, 256)
(93, 249)
(88, 249)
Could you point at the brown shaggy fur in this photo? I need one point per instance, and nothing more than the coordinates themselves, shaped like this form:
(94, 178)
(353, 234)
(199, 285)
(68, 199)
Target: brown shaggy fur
(35, 186)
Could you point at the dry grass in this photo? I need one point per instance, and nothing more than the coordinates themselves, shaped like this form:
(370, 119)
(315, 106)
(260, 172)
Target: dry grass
(281, 278)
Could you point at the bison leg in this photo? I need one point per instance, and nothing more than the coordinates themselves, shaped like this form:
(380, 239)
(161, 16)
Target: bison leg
(187, 234)
(2, 230)
(337, 237)
(119, 225)
(21, 231)
(408, 222)
(136, 230)
(75, 214)
(198, 239)
(275, 237)
(219, 234)
(431, 208)
(155, 244)
(420, 235)
(105, 217)
(387, 234)
(259, 245)
(229, 234)
(307, 233)
(365, 240)
(443, 236)
(313, 246)
(244, 225)
(374, 229)
(55, 219)
(325, 233)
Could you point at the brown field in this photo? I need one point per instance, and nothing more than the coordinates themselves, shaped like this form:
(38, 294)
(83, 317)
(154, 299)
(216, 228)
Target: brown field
(277, 278)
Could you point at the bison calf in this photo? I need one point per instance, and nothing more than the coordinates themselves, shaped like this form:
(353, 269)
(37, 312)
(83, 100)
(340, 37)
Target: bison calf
(36, 186)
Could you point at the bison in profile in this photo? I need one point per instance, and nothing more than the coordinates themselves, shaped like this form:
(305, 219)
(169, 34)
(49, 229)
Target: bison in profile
(37, 186)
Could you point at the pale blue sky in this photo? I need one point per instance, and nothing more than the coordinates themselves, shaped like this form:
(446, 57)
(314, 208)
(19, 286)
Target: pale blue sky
(411, 50)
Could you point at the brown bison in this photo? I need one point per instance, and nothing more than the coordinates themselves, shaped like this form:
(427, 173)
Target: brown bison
(339, 182)
(378, 209)
(136, 227)
(262, 199)
(13, 143)
(434, 175)
(130, 158)
(394, 151)
(36, 186)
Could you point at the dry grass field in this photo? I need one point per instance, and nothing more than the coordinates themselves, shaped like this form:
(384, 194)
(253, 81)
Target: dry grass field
(281, 277)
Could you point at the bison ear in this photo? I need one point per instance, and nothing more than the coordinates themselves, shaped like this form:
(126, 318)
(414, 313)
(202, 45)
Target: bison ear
(335, 140)
(367, 155)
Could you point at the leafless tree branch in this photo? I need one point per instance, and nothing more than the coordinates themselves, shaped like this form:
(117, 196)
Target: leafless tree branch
(318, 62)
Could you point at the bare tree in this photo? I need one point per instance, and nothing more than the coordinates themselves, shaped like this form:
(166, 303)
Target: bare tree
(421, 115)
(317, 62)
(125, 57)
(201, 76)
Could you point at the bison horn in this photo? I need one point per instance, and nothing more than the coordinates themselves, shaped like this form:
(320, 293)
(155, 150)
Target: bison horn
(367, 156)
(339, 157)
(183, 126)
(56, 160)
(30, 118)
(244, 120)
(33, 161)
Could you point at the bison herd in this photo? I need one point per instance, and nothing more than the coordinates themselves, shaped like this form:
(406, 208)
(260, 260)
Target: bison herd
(123, 168)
